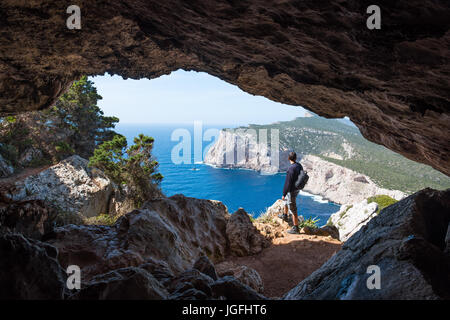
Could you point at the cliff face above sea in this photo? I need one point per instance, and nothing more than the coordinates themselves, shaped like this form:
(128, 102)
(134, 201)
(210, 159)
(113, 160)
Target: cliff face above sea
(333, 182)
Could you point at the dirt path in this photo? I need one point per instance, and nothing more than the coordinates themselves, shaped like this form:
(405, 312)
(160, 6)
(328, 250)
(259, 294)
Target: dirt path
(289, 260)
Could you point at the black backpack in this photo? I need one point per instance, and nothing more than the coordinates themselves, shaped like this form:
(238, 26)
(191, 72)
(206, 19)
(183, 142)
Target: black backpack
(302, 179)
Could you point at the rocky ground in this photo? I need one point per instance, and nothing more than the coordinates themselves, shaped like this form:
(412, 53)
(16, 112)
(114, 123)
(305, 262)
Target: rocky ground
(288, 260)
(186, 248)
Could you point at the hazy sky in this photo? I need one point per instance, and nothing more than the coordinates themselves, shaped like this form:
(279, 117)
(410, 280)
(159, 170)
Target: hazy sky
(183, 97)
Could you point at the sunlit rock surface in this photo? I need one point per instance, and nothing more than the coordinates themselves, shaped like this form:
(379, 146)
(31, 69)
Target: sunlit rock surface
(70, 186)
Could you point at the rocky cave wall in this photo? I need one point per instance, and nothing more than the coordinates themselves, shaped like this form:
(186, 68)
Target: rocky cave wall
(393, 83)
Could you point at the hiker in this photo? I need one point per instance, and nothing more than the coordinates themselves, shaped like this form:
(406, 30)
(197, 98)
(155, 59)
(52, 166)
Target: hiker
(290, 193)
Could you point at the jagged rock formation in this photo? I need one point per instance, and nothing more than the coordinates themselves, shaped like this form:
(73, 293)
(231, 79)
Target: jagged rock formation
(393, 82)
(147, 254)
(70, 186)
(407, 241)
(350, 218)
(244, 274)
(29, 269)
(176, 230)
(341, 185)
(243, 237)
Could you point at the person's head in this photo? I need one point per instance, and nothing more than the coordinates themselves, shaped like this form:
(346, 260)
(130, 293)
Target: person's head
(292, 156)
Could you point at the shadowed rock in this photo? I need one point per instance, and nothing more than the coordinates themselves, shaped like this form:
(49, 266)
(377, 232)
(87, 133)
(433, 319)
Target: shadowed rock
(232, 289)
(123, 284)
(243, 236)
(31, 218)
(204, 265)
(406, 241)
(29, 269)
(392, 82)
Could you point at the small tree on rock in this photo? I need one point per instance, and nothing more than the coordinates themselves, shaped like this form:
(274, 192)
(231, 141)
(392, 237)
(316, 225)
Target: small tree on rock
(134, 167)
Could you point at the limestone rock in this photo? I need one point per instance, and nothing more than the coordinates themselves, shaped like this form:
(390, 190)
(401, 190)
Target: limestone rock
(241, 150)
(350, 218)
(325, 231)
(344, 186)
(242, 235)
(29, 269)
(70, 186)
(406, 241)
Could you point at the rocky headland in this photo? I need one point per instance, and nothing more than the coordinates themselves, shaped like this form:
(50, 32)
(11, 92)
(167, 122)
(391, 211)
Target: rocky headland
(331, 181)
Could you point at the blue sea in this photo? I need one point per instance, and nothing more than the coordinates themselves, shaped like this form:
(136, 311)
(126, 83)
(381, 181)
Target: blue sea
(234, 187)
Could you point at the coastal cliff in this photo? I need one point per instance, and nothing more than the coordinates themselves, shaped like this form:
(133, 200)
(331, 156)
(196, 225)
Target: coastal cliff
(331, 181)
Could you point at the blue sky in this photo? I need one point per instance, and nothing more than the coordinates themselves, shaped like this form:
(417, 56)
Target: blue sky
(184, 97)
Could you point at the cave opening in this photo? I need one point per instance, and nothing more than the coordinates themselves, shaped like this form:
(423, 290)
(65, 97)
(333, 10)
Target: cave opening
(174, 110)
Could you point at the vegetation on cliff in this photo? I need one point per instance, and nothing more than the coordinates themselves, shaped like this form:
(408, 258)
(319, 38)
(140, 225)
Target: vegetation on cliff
(343, 144)
(74, 125)
(383, 201)
(132, 166)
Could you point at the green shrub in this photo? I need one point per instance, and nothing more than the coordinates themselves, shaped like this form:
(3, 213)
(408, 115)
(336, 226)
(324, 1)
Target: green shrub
(63, 147)
(264, 218)
(310, 222)
(382, 201)
(345, 211)
(133, 166)
(102, 219)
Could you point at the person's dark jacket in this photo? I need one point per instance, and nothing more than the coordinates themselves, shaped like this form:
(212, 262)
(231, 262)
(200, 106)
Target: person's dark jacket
(291, 177)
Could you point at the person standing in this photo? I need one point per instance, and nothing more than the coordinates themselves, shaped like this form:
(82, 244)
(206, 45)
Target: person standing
(290, 193)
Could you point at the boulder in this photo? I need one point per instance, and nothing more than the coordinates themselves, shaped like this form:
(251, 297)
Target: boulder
(350, 218)
(325, 231)
(232, 289)
(205, 266)
(70, 186)
(159, 269)
(29, 269)
(244, 274)
(176, 230)
(243, 236)
(406, 242)
(190, 279)
(123, 284)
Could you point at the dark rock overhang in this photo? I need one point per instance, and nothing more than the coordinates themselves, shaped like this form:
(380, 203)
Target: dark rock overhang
(393, 83)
